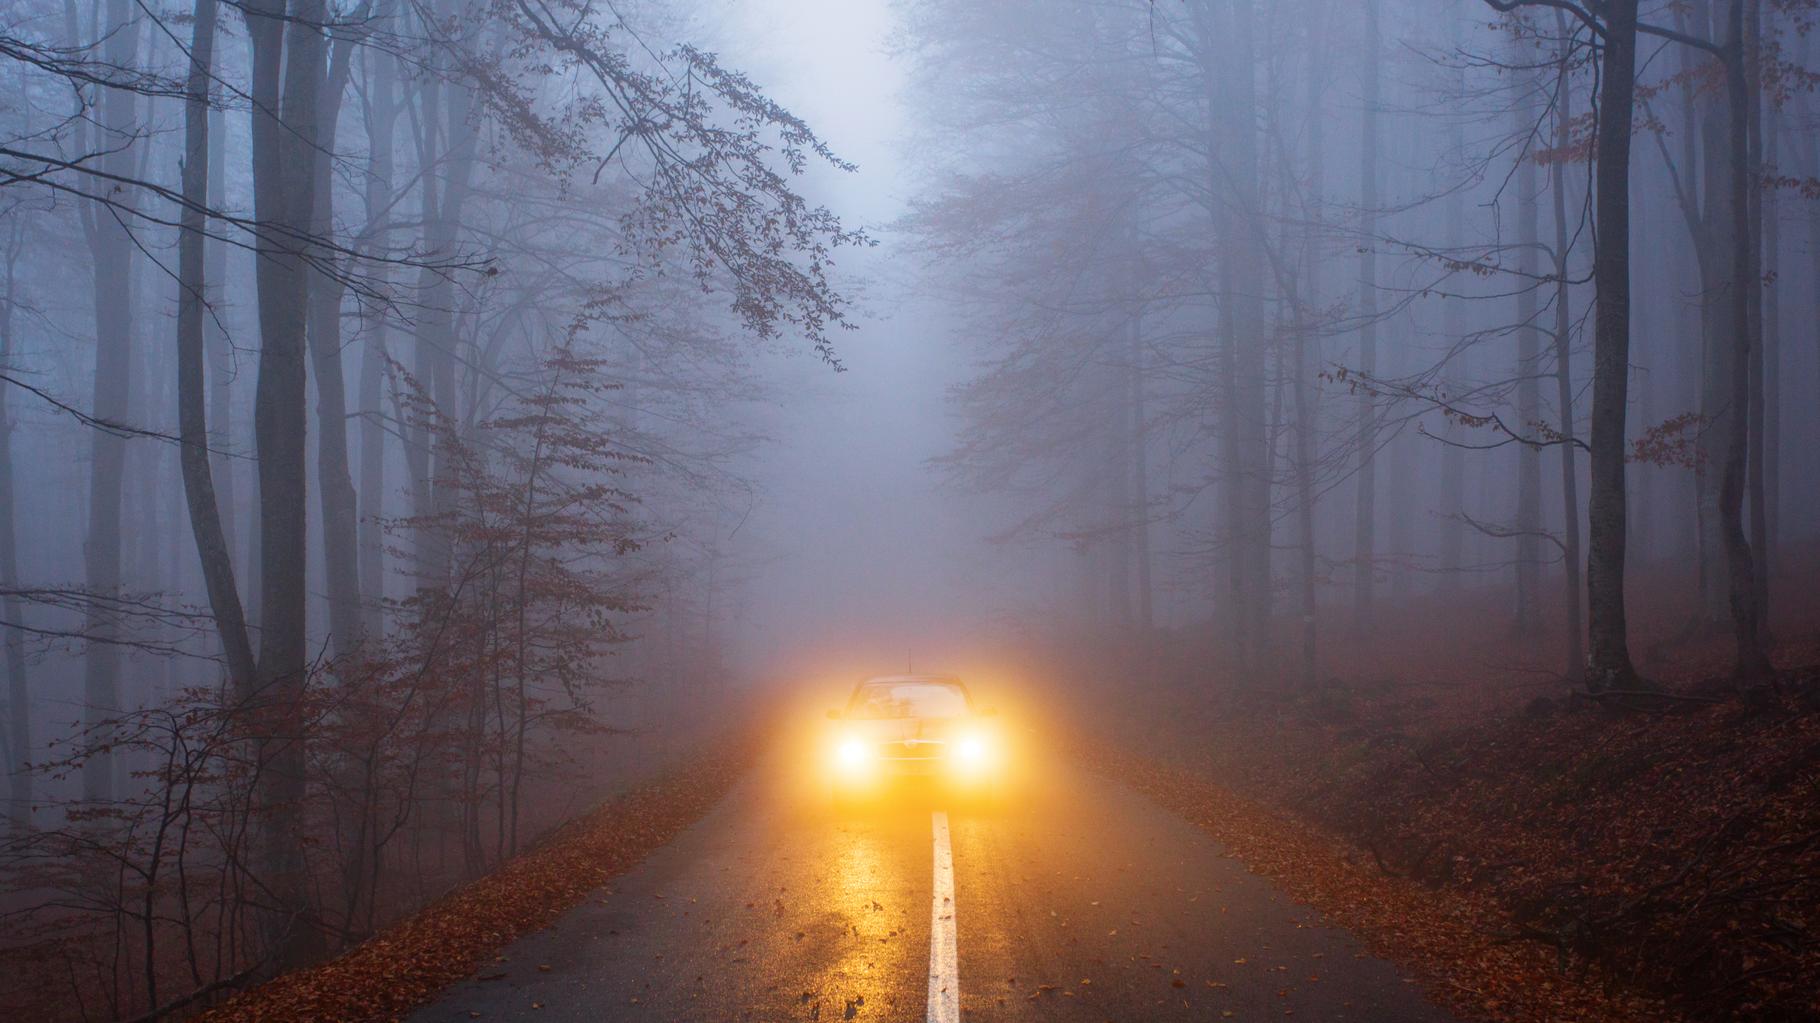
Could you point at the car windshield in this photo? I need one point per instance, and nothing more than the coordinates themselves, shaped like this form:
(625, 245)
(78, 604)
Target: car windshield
(909, 700)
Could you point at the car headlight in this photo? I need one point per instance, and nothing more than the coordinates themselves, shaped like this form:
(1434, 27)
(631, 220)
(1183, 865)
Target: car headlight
(972, 752)
(852, 753)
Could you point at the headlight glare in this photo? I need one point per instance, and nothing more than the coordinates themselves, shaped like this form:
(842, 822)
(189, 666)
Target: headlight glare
(971, 752)
(851, 753)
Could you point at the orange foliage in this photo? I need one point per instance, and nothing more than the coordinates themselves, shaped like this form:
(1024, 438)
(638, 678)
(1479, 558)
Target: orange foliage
(1460, 947)
(404, 966)
(1532, 858)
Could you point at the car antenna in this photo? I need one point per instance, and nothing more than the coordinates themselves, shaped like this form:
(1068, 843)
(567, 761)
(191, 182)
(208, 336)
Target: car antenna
(909, 660)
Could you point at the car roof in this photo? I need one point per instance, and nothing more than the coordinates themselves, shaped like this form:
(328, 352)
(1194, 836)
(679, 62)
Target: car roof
(952, 680)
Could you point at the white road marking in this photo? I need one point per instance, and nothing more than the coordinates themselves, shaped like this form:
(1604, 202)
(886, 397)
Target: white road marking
(944, 956)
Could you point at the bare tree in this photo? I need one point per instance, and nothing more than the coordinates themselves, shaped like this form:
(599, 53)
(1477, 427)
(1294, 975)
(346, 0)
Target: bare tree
(1366, 508)
(338, 502)
(192, 390)
(1527, 372)
(1561, 336)
(111, 248)
(18, 691)
(287, 50)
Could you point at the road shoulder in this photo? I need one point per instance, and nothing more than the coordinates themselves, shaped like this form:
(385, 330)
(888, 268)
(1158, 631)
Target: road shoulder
(407, 964)
(1464, 951)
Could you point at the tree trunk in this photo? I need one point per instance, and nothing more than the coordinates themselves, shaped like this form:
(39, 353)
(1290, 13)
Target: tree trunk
(433, 360)
(1608, 646)
(1714, 235)
(111, 248)
(1529, 398)
(340, 516)
(1750, 664)
(1365, 512)
(1306, 415)
(18, 691)
(1564, 384)
(192, 424)
(1756, 298)
(1701, 195)
(1768, 379)
(383, 109)
(446, 151)
(1453, 329)
(284, 136)
(1232, 491)
(417, 433)
(221, 368)
(1240, 161)
(1254, 337)
(1229, 71)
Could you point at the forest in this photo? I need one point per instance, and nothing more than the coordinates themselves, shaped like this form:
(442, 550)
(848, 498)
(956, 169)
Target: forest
(459, 413)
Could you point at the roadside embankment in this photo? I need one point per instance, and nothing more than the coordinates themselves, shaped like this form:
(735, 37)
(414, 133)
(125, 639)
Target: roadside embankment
(402, 967)
(1575, 861)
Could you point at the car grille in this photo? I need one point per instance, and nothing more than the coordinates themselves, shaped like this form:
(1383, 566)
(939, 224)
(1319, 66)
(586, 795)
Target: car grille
(913, 749)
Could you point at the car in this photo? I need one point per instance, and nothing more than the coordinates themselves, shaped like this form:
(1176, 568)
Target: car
(897, 730)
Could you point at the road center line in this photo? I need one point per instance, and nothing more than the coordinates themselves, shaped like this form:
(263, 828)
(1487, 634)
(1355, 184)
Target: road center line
(944, 964)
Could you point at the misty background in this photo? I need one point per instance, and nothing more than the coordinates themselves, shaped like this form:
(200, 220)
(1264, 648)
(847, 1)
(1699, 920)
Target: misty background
(501, 402)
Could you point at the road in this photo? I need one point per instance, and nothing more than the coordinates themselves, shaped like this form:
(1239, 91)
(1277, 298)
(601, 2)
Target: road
(1082, 901)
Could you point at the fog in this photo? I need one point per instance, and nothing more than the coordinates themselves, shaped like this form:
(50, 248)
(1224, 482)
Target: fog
(922, 93)
(864, 557)
(525, 396)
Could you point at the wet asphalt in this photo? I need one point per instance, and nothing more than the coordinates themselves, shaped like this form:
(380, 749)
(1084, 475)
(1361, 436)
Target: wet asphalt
(1077, 899)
